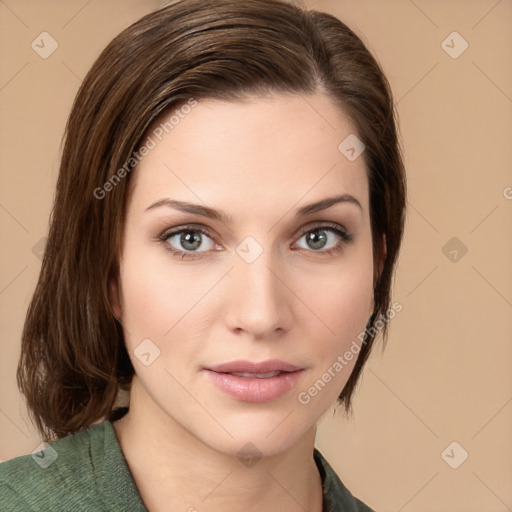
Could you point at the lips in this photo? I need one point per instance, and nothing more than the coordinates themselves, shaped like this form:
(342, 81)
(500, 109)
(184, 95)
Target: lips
(255, 382)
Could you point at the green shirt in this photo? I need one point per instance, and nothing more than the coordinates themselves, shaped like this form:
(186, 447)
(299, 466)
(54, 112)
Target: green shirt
(87, 471)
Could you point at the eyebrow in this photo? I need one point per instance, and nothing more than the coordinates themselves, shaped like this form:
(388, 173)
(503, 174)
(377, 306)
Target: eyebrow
(222, 216)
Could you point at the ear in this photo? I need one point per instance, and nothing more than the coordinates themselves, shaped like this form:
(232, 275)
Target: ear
(114, 296)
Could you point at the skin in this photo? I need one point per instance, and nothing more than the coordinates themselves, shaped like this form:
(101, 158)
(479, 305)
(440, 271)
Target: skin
(258, 160)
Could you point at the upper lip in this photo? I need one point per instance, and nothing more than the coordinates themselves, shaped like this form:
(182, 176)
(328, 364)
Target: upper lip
(270, 365)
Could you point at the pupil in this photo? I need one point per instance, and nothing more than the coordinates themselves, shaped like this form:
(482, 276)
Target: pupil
(317, 241)
(192, 238)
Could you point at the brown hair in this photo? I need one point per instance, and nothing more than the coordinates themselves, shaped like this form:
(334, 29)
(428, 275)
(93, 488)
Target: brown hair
(74, 361)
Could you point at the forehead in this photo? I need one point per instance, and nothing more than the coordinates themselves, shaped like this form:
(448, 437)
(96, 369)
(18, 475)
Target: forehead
(278, 148)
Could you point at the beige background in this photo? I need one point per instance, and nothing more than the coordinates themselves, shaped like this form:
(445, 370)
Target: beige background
(445, 375)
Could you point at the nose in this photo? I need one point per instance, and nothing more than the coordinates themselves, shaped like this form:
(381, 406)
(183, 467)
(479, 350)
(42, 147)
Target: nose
(260, 300)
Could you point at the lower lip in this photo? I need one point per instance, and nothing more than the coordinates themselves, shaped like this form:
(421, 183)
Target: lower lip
(248, 389)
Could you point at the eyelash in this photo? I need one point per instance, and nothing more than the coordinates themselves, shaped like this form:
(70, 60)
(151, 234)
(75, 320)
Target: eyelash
(183, 255)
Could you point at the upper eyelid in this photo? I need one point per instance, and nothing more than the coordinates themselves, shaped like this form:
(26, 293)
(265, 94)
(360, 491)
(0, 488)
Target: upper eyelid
(189, 227)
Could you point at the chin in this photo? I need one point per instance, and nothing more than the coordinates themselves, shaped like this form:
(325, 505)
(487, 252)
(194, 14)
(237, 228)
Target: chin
(254, 436)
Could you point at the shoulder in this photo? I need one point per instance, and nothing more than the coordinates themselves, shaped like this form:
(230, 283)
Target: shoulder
(63, 476)
(337, 498)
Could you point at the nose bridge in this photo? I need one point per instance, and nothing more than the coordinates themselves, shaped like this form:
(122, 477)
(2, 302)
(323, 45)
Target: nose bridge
(259, 302)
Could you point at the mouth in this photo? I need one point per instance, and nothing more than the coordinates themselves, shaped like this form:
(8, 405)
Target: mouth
(253, 368)
(255, 382)
(256, 375)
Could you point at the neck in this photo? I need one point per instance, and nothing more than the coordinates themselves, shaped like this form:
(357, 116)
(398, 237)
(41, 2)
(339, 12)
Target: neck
(175, 470)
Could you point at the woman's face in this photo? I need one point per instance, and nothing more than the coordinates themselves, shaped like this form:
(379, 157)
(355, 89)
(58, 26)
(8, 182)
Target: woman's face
(227, 259)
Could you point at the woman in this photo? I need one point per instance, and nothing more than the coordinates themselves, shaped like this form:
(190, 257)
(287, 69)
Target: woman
(229, 211)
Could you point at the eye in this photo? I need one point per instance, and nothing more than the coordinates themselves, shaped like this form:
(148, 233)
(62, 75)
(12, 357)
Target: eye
(325, 238)
(186, 241)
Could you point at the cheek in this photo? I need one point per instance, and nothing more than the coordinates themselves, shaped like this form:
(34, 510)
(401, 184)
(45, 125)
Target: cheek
(342, 298)
(161, 301)
(343, 305)
(151, 301)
